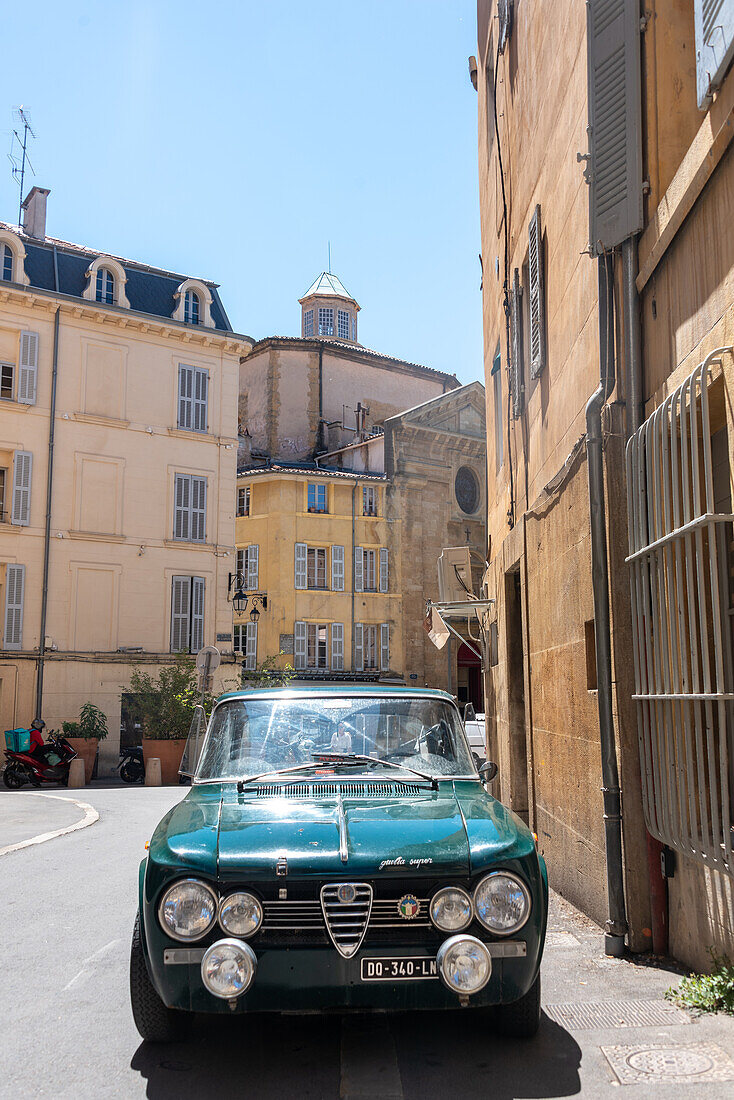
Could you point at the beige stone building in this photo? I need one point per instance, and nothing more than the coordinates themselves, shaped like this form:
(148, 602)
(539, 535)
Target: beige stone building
(118, 551)
(606, 182)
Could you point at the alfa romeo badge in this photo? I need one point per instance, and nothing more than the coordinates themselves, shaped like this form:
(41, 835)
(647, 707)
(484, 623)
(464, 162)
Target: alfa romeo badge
(408, 906)
(346, 893)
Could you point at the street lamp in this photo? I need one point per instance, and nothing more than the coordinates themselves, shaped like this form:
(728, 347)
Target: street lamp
(255, 613)
(236, 589)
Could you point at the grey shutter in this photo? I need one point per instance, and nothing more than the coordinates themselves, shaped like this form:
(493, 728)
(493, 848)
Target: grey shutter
(28, 372)
(185, 396)
(180, 613)
(615, 167)
(337, 568)
(253, 554)
(337, 646)
(300, 579)
(358, 660)
(358, 569)
(251, 647)
(22, 475)
(517, 379)
(504, 19)
(384, 646)
(197, 613)
(14, 589)
(536, 310)
(714, 21)
(201, 391)
(384, 576)
(198, 509)
(181, 506)
(299, 645)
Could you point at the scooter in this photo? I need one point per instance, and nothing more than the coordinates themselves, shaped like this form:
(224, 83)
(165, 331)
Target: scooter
(43, 763)
(131, 766)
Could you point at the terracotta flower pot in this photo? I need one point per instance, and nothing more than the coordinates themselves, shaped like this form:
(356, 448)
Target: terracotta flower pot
(169, 751)
(86, 749)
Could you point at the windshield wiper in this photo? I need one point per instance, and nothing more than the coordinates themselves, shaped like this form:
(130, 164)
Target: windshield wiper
(357, 758)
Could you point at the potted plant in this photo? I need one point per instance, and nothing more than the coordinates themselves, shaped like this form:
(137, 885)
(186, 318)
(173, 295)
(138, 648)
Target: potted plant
(85, 735)
(164, 706)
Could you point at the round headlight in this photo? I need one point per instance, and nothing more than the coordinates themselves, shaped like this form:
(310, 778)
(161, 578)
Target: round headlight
(240, 914)
(464, 964)
(502, 903)
(451, 909)
(228, 968)
(188, 909)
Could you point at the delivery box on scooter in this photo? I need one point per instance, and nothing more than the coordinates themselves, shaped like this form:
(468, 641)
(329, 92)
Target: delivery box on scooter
(18, 740)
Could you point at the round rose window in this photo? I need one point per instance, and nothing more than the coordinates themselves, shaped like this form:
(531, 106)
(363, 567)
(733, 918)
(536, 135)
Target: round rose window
(466, 488)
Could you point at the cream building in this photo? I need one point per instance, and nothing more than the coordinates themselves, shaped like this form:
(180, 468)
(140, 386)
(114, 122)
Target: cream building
(117, 550)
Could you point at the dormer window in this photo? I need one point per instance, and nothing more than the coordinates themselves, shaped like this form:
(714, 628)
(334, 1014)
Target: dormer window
(192, 308)
(326, 322)
(105, 287)
(6, 263)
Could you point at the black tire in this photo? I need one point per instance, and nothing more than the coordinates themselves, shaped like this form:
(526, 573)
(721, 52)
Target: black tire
(13, 778)
(521, 1019)
(155, 1022)
(129, 774)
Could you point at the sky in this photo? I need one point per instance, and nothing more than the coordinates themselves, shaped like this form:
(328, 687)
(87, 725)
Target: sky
(234, 141)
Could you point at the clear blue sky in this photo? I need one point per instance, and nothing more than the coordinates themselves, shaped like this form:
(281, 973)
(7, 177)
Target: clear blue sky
(232, 140)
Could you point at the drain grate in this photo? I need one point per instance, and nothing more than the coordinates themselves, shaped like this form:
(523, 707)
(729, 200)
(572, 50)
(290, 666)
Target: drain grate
(656, 1062)
(588, 1014)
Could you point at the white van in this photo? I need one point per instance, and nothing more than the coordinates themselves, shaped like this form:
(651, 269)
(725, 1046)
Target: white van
(476, 733)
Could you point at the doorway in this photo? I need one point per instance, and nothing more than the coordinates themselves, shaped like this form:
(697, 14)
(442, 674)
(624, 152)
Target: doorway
(469, 687)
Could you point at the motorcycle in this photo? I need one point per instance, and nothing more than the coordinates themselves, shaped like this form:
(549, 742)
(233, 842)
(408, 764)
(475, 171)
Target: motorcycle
(131, 766)
(43, 762)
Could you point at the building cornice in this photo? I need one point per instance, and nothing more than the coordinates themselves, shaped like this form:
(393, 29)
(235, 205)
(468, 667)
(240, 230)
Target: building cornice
(356, 352)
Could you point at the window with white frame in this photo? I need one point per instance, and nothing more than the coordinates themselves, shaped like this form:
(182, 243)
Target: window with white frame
(316, 567)
(245, 642)
(192, 308)
(326, 321)
(105, 286)
(369, 500)
(189, 511)
(371, 569)
(243, 501)
(371, 647)
(308, 323)
(7, 262)
(342, 324)
(248, 564)
(193, 397)
(187, 614)
(316, 497)
(316, 645)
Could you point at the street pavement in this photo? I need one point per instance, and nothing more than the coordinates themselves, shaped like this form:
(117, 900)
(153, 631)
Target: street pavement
(67, 909)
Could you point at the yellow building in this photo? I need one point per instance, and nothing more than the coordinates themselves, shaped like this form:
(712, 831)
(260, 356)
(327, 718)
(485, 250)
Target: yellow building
(118, 550)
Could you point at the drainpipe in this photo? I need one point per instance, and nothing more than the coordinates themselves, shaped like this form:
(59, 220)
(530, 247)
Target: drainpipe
(616, 924)
(47, 536)
(354, 490)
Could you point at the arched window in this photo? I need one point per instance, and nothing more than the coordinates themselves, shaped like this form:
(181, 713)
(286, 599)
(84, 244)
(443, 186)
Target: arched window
(191, 308)
(105, 291)
(6, 263)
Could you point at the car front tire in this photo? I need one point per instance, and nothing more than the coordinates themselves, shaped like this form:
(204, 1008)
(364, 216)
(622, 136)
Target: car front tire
(521, 1019)
(155, 1022)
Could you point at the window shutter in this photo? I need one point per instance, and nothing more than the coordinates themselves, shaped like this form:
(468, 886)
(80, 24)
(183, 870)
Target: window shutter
(300, 565)
(251, 647)
(536, 309)
(197, 614)
(180, 612)
(358, 569)
(615, 127)
(358, 647)
(185, 396)
(253, 554)
(22, 474)
(714, 21)
(337, 568)
(299, 641)
(28, 373)
(384, 646)
(384, 577)
(201, 388)
(182, 500)
(14, 589)
(198, 509)
(517, 380)
(337, 646)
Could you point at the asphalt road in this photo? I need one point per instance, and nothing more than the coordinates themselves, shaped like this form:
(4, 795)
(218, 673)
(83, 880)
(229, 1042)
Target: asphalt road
(67, 908)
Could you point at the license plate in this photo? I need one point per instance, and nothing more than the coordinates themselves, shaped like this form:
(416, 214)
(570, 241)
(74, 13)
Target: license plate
(406, 969)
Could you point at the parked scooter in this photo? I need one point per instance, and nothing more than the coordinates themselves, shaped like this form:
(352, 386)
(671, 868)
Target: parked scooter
(132, 766)
(38, 762)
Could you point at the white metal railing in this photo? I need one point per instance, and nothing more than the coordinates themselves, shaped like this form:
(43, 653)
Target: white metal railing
(682, 626)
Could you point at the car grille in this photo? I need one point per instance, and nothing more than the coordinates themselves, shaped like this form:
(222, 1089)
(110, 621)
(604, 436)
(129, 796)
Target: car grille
(302, 923)
(346, 920)
(363, 789)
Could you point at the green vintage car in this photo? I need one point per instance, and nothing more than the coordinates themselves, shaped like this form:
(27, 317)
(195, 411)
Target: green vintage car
(338, 850)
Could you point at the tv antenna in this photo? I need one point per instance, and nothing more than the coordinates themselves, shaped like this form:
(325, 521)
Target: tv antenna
(329, 247)
(18, 155)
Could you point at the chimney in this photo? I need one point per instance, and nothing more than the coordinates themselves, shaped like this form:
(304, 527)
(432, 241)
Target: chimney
(34, 213)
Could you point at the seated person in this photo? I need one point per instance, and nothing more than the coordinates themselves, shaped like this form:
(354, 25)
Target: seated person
(341, 741)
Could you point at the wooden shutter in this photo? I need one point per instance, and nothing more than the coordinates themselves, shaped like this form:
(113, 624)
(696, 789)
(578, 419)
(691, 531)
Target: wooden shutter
(358, 569)
(337, 646)
(180, 613)
(299, 645)
(22, 475)
(536, 310)
(197, 525)
(615, 124)
(301, 555)
(384, 576)
(201, 388)
(358, 647)
(185, 396)
(251, 647)
(337, 568)
(14, 590)
(714, 22)
(181, 506)
(384, 646)
(28, 372)
(253, 554)
(197, 613)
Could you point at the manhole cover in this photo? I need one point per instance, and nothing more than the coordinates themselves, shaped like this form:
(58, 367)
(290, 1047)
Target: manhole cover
(588, 1014)
(653, 1062)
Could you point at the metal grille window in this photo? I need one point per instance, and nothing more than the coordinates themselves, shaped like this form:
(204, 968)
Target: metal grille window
(326, 322)
(342, 324)
(105, 289)
(308, 323)
(680, 531)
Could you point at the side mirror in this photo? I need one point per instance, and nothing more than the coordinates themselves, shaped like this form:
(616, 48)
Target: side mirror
(469, 713)
(488, 771)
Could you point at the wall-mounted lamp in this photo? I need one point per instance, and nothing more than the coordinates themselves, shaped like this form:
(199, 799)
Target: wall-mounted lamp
(236, 591)
(258, 602)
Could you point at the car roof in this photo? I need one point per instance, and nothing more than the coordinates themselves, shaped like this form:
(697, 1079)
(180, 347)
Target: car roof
(364, 691)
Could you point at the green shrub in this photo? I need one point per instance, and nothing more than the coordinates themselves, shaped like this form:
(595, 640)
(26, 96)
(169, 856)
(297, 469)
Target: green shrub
(92, 723)
(708, 992)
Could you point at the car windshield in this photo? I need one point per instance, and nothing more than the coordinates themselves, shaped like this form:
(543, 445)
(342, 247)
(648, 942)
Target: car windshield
(251, 736)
